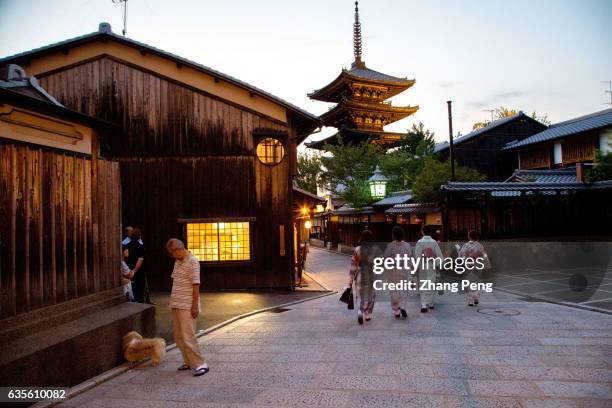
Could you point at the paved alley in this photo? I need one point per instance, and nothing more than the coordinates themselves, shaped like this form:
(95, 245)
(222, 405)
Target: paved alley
(505, 353)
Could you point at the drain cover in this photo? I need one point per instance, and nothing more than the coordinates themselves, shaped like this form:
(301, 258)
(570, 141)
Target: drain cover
(499, 312)
(278, 310)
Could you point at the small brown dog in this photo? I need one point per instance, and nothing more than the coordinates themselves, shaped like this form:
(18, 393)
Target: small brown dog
(136, 348)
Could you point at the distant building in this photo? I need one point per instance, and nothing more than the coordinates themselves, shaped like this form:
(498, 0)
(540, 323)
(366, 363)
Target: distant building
(361, 110)
(565, 143)
(530, 203)
(482, 148)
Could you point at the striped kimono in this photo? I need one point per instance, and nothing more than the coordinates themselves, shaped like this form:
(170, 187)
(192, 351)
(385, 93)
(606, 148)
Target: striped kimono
(362, 277)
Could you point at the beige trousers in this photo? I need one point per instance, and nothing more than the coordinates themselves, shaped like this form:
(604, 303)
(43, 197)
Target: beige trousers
(184, 336)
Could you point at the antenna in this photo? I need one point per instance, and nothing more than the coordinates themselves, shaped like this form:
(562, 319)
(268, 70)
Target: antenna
(491, 111)
(124, 12)
(608, 91)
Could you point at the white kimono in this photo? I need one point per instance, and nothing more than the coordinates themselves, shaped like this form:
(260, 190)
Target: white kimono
(398, 298)
(425, 248)
(472, 249)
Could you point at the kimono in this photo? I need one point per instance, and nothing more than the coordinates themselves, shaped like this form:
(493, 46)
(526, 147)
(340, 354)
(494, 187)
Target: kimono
(472, 249)
(362, 277)
(126, 283)
(427, 247)
(398, 298)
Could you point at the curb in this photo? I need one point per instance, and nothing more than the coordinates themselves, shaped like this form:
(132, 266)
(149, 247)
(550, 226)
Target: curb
(116, 371)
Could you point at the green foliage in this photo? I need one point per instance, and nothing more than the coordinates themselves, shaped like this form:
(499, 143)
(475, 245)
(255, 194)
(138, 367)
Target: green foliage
(602, 167)
(351, 165)
(309, 171)
(402, 164)
(426, 187)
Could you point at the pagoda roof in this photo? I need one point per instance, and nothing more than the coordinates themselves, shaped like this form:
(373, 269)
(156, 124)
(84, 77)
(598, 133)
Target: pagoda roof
(388, 139)
(397, 112)
(361, 73)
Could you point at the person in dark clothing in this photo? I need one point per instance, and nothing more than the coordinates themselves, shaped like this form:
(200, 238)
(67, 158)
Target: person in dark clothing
(135, 262)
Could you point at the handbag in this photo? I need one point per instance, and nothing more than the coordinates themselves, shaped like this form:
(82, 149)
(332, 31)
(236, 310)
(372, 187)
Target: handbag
(347, 297)
(348, 293)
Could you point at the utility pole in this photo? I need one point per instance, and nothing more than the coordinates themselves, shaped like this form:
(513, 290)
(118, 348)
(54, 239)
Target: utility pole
(491, 111)
(608, 91)
(450, 140)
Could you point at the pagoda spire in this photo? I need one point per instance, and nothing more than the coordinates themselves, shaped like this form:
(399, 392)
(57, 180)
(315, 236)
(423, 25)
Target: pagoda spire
(357, 39)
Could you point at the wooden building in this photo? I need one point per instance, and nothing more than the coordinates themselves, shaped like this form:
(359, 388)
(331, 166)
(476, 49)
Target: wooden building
(533, 204)
(60, 210)
(566, 143)
(203, 156)
(360, 95)
(482, 148)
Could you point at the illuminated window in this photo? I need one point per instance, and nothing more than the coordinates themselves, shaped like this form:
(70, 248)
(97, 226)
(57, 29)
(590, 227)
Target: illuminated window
(219, 241)
(270, 151)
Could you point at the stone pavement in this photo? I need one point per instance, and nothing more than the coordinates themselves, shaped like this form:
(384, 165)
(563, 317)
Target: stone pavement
(506, 353)
(222, 306)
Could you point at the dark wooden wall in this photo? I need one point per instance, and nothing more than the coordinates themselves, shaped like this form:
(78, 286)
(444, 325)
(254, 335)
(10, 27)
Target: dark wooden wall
(187, 154)
(575, 148)
(59, 218)
(585, 214)
(483, 152)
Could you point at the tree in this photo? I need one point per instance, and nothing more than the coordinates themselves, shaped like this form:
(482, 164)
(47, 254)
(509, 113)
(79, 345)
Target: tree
(350, 165)
(403, 163)
(426, 187)
(309, 171)
(602, 167)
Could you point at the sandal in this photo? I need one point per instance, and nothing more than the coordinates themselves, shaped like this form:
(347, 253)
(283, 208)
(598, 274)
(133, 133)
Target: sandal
(183, 367)
(200, 371)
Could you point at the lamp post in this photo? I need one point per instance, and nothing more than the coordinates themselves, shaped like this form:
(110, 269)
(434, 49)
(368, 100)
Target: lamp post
(378, 184)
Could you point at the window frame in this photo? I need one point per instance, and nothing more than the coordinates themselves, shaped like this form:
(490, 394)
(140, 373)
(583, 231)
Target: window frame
(279, 138)
(220, 263)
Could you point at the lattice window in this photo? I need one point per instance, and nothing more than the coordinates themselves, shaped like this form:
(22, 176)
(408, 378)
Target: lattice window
(219, 241)
(270, 151)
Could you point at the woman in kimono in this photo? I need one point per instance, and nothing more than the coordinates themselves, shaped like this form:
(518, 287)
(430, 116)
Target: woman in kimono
(395, 275)
(427, 248)
(472, 249)
(362, 276)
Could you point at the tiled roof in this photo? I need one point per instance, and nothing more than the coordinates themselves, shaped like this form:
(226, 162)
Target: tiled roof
(400, 197)
(564, 175)
(416, 208)
(105, 31)
(373, 75)
(307, 193)
(524, 186)
(461, 139)
(593, 121)
(14, 78)
(348, 210)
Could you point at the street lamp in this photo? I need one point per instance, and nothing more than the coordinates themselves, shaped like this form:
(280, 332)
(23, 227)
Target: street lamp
(378, 184)
(307, 224)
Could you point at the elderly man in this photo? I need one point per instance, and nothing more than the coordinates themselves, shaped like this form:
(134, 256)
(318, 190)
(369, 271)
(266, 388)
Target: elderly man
(185, 304)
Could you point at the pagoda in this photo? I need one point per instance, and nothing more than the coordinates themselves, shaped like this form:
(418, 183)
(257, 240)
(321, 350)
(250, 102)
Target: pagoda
(360, 94)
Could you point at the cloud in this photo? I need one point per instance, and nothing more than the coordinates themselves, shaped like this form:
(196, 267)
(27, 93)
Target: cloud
(448, 84)
(495, 99)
